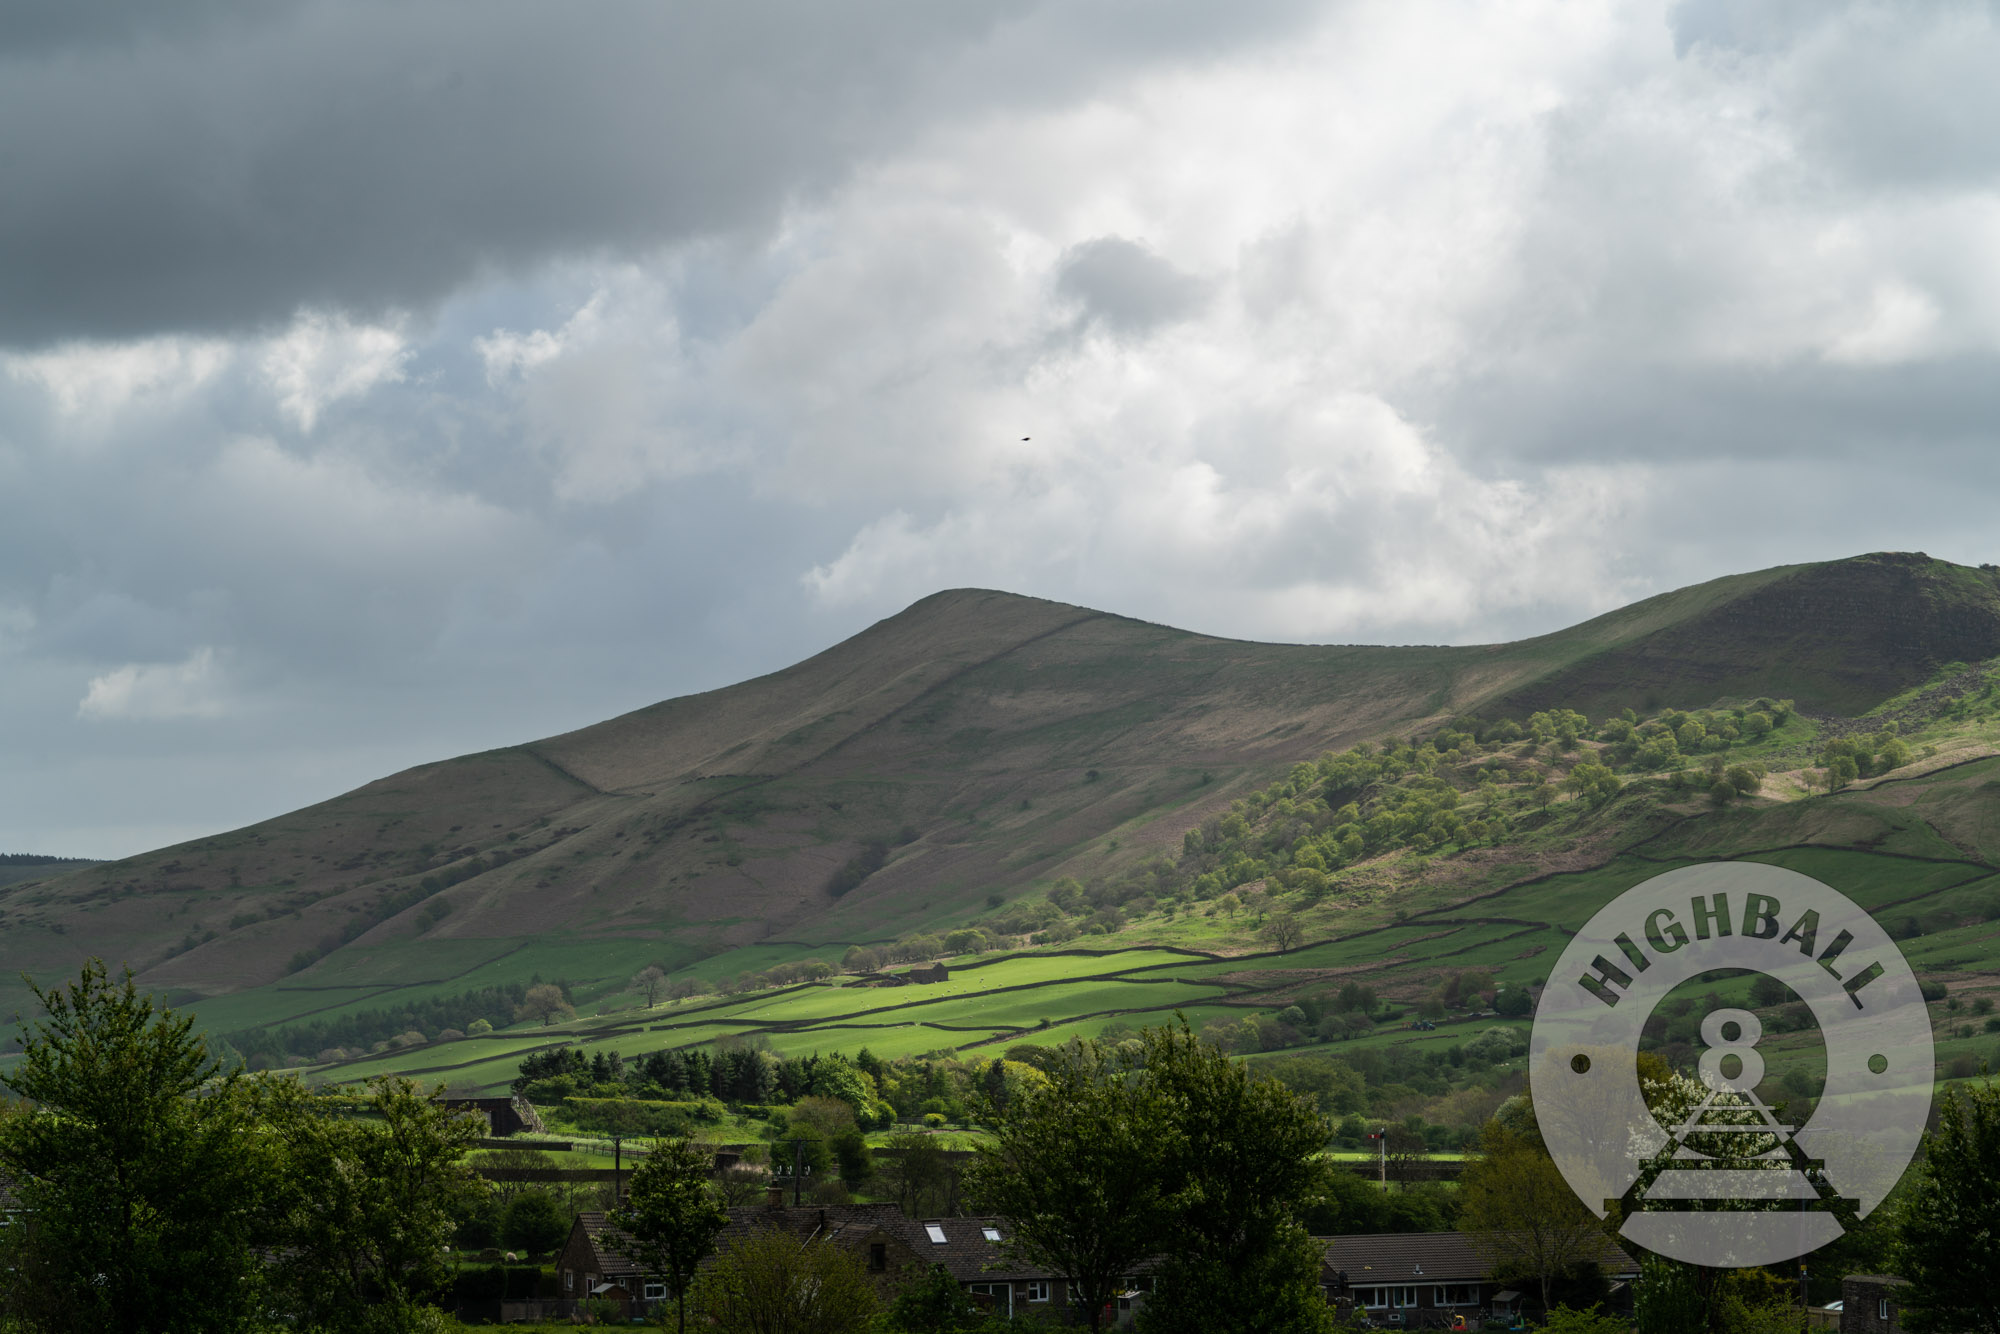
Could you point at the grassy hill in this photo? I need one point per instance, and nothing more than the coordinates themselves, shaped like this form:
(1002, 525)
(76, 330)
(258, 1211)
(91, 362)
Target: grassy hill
(1432, 927)
(952, 764)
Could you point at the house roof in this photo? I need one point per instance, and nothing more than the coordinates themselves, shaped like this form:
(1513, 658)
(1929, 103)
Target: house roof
(969, 1247)
(841, 1224)
(1394, 1257)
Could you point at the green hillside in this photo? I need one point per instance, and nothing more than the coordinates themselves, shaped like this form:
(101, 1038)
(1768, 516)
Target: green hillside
(970, 762)
(1481, 850)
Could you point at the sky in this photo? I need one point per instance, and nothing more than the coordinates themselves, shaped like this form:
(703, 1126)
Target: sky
(382, 380)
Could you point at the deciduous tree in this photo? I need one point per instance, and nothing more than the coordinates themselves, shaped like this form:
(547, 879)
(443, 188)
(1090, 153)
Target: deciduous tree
(1238, 1169)
(1520, 1212)
(770, 1284)
(649, 982)
(545, 1002)
(1285, 932)
(1075, 1169)
(670, 1218)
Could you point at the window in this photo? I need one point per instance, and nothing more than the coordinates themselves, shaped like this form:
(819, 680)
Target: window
(935, 1233)
(1001, 1293)
(1881, 1308)
(990, 1233)
(1374, 1298)
(1403, 1297)
(1455, 1294)
(1038, 1290)
(656, 1291)
(569, 1280)
(878, 1257)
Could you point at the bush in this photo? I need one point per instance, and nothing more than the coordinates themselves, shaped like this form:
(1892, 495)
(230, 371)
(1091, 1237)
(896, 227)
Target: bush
(535, 1222)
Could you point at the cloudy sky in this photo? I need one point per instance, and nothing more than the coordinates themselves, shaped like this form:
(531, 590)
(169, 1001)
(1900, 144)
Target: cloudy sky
(385, 380)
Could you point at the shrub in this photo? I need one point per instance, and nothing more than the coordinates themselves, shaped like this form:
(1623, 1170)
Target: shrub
(535, 1222)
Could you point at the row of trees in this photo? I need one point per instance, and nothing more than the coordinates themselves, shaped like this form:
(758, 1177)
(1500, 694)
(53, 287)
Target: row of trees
(475, 1011)
(747, 1073)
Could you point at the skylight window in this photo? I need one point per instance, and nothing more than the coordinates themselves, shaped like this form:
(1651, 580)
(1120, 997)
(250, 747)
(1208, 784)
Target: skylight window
(991, 1233)
(935, 1233)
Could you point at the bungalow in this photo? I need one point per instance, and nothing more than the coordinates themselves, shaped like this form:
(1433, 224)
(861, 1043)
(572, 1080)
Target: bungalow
(969, 1248)
(591, 1266)
(895, 1250)
(1424, 1280)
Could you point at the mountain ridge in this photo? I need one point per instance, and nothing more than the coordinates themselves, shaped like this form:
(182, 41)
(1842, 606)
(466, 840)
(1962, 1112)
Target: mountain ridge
(984, 741)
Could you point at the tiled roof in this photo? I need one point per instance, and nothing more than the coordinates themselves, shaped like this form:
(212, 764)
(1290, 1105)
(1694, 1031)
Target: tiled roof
(967, 1251)
(1393, 1257)
(830, 1223)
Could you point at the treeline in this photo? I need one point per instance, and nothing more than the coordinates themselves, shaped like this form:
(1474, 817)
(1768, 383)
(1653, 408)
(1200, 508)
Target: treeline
(442, 1018)
(733, 1073)
(952, 1090)
(1473, 782)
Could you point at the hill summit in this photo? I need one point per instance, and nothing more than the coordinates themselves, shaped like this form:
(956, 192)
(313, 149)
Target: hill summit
(942, 760)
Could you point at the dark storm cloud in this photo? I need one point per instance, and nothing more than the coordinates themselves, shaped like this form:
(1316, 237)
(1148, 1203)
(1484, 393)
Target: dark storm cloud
(225, 166)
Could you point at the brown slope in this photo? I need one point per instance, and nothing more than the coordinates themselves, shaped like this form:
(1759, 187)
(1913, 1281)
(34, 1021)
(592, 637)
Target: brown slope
(1837, 637)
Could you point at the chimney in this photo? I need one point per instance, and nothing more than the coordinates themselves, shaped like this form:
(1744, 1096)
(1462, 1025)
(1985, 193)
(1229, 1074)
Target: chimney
(774, 1196)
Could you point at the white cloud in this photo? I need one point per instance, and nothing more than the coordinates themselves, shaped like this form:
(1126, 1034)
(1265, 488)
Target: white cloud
(97, 379)
(508, 354)
(615, 400)
(193, 688)
(324, 358)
